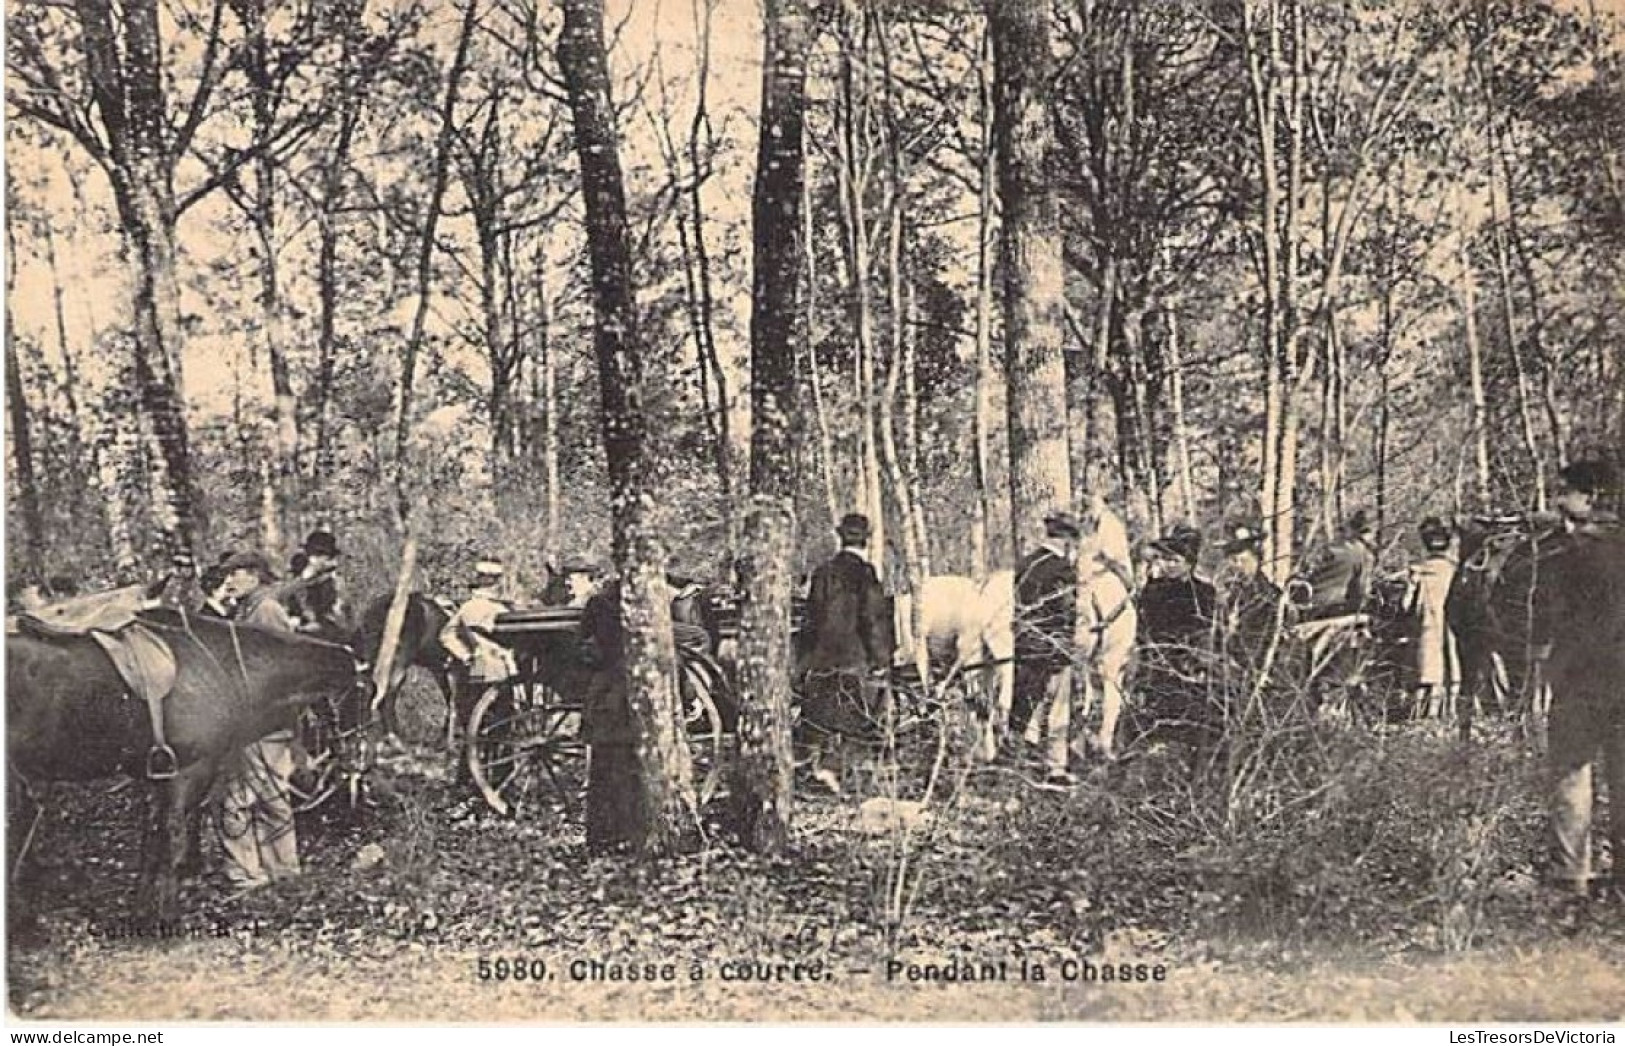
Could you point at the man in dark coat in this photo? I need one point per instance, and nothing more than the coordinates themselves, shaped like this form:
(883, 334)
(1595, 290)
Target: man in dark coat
(1341, 581)
(1176, 616)
(1579, 634)
(847, 640)
(1249, 600)
(1046, 616)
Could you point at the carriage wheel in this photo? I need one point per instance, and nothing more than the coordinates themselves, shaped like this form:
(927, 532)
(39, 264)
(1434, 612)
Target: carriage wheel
(317, 778)
(709, 712)
(524, 748)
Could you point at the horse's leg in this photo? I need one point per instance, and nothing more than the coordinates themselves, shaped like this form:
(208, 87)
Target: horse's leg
(1111, 708)
(165, 849)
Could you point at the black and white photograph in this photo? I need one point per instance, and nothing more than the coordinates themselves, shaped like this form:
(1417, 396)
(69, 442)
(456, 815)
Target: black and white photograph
(781, 512)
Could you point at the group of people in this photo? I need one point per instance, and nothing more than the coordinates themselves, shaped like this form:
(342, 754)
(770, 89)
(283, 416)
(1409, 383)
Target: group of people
(256, 826)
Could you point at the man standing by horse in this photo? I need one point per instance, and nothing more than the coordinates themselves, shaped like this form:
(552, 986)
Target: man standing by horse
(848, 640)
(256, 816)
(1579, 637)
(1046, 616)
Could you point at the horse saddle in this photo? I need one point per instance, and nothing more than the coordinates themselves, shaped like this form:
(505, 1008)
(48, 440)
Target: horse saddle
(143, 659)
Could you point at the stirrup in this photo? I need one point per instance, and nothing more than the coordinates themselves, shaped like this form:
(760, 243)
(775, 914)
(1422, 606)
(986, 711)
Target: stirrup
(161, 763)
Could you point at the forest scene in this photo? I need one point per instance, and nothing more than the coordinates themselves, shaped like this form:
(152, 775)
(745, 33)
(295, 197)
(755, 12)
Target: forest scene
(613, 399)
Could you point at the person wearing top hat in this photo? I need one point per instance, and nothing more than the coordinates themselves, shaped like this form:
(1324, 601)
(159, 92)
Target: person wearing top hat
(1176, 615)
(846, 640)
(1046, 615)
(316, 605)
(257, 830)
(1340, 583)
(1438, 671)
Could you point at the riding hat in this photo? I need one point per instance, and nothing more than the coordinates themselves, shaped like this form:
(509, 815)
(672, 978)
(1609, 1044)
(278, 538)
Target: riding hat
(854, 526)
(1590, 476)
(1243, 536)
(1061, 525)
(255, 562)
(1184, 541)
(322, 543)
(1360, 522)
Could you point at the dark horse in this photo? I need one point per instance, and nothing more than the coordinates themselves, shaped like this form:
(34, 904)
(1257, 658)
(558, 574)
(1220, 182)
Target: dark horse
(69, 716)
(418, 646)
(1490, 610)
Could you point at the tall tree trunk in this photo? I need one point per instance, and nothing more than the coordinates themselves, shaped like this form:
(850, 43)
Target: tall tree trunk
(329, 203)
(1034, 281)
(1182, 435)
(982, 418)
(762, 789)
(1467, 297)
(22, 435)
(809, 345)
(626, 372)
(855, 158)
(129, 93)
(425, 260)
(283, 473)
(548, 363)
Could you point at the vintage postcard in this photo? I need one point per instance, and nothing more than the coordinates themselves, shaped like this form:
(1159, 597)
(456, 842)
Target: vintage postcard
(839, 511)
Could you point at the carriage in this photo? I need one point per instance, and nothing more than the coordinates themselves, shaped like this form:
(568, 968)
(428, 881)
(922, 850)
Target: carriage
(523, 747)
(523, 737)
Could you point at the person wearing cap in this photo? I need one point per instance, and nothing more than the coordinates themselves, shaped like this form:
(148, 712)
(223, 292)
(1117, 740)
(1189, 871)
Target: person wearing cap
(846, 640)
(1438, 672)
(1248, 601)
(316, 604)
(469, 635)
(257, 829)
(1046, 616)
(1340, 583)
(1176, 615)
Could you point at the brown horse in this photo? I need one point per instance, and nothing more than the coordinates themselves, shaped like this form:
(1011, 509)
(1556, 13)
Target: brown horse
(69, 716)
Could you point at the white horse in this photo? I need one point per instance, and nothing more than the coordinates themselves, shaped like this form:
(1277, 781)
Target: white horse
(970, 623)
(1107, 619)
(974, 625)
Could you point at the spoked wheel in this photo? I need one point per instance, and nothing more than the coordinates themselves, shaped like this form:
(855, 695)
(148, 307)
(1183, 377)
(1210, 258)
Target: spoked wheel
(317, 777)
(525, 749)
(334, 759)
(709, 714)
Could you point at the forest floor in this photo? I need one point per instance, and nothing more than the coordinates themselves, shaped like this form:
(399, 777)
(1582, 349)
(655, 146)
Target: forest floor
(1404, 894)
